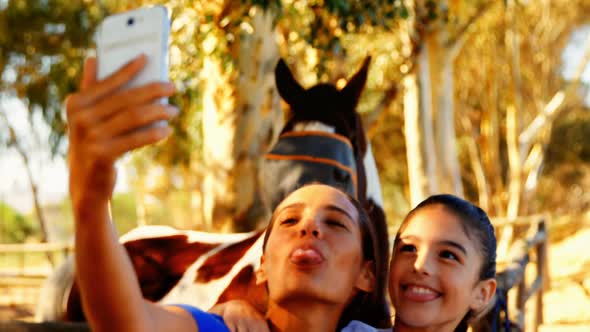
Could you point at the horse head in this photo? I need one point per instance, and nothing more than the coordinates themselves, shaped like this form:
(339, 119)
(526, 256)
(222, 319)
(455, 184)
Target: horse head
(321, 116)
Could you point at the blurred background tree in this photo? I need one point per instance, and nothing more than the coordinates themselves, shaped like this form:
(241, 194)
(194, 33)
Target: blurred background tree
(467, 97)
(42, 44)
(15, 227)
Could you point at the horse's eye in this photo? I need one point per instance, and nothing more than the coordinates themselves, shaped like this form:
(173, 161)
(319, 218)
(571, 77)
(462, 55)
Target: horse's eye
(341, 175)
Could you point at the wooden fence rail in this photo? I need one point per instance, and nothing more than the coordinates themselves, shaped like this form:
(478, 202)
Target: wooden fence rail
(22, 250)
(513, 276)
(35, 248)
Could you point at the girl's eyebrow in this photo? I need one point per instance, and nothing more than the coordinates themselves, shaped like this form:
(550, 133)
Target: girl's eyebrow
(455, 245)
(449, 243)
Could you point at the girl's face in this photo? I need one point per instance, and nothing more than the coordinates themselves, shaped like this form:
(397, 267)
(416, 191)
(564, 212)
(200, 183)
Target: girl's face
(314, 249)
(435, 269)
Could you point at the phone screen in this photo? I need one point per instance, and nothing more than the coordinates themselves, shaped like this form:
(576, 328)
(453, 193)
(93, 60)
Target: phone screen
(122, 37)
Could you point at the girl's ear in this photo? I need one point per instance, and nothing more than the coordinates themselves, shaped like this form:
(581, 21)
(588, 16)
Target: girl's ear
(482, 294)
(289, 89)
(261, 273)
(366, 279)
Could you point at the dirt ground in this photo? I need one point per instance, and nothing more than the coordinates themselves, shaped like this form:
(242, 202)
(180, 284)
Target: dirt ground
(567, 304)
(18, 297)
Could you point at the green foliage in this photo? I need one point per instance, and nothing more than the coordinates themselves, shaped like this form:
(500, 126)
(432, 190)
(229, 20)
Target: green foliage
(173, 210)
(42, 44)
(123, 209)
(14, 227)
(354, 14)
(569, 140)
(567, 170)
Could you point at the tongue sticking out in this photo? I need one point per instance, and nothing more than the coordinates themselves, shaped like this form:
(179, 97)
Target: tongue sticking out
(306, 257)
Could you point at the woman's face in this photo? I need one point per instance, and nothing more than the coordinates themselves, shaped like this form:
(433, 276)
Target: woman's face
(314, 250)
(434, 278)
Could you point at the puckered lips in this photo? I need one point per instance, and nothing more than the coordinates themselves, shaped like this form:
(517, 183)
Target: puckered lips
(306, 256)
(419, 292)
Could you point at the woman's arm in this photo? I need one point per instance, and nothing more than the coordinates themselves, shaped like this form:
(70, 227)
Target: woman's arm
(104, 123)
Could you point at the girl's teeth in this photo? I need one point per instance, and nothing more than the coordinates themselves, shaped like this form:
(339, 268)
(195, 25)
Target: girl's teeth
(420, 290)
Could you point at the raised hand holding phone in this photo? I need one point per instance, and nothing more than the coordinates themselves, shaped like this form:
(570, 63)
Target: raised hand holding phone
(117, 109)
(108, 117)
(105, 121)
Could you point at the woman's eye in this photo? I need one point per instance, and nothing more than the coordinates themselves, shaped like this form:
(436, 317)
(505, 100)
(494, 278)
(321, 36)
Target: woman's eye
(288, 221)
(407, 248)
(335, 223)
(449, 255)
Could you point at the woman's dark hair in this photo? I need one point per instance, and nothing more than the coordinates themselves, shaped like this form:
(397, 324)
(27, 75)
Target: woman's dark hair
(477, 227)
(369, 307)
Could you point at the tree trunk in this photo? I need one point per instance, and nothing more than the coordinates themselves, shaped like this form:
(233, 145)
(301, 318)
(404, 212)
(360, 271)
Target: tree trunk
(14, 141)
(512, 128)
(477, 165)
(418, 116)
(449, 169)
(490, 150)
(428, 147)
(241, 118)
(417, 173)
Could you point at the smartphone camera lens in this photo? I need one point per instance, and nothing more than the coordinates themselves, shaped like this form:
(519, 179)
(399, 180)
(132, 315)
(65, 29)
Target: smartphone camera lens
(130, 21)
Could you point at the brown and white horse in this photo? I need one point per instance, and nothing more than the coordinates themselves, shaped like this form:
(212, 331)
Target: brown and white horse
(323, 141)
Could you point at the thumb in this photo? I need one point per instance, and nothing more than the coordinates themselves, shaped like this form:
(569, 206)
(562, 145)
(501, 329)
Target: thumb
(89, 73)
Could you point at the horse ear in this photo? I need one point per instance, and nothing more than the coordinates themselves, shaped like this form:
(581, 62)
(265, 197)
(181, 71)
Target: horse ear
(355, 85)
(289, 89)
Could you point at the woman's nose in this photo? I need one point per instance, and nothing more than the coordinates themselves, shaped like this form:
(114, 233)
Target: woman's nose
(310, 227)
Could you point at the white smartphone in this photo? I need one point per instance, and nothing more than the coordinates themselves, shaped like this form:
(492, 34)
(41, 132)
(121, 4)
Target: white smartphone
(122, 37)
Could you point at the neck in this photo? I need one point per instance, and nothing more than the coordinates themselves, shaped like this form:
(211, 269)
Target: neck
(303, 316)
(400, 326)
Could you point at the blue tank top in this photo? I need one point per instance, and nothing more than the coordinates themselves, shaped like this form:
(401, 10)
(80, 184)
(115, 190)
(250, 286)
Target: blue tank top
(208, 322)
(205, 321)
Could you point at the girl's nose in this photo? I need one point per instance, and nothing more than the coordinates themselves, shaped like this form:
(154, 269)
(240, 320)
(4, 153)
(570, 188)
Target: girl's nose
(423, 264)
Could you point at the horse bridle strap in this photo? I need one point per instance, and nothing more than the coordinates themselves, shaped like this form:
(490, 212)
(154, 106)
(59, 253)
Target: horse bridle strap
(316, 147)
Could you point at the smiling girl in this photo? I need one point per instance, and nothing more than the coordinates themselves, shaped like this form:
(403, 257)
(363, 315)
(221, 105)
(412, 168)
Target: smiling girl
(443, 267)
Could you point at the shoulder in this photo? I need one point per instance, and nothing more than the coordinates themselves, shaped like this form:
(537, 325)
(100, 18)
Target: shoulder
(358, 326)
(205, 321)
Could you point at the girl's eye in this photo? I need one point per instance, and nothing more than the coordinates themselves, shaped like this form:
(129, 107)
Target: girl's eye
(407, 248)
(449, 255)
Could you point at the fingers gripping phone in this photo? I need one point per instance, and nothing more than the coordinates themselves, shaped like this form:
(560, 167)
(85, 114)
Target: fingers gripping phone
(122, 37)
